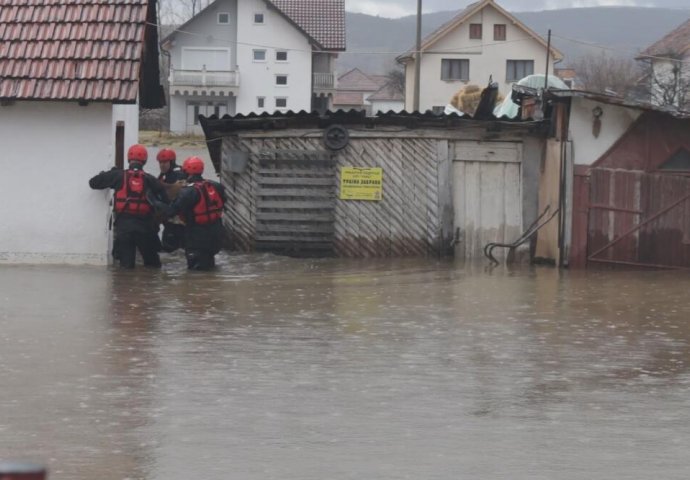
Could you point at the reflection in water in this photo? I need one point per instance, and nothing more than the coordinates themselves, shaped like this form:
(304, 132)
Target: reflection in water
(309, 369)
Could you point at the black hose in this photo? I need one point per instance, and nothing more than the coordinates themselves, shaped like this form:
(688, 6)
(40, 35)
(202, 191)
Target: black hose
(531, 230)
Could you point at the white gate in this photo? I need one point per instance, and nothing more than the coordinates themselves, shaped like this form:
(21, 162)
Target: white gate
(487, 195)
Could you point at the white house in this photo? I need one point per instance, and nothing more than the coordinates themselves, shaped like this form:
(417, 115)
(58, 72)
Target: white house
(483, 41)
(669, 72)
(254, 56)
(371, 93)
(71, 73)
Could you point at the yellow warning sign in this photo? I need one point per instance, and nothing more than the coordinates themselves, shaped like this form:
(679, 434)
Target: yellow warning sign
(361, 183)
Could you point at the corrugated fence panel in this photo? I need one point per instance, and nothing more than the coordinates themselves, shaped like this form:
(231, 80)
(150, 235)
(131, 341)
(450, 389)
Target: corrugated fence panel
(406, 221)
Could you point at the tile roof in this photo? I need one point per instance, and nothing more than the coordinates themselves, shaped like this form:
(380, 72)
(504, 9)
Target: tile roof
(388, 93)
(677, 41)
(322, 20)
(71, 49)
(357, 80)
(348, 98)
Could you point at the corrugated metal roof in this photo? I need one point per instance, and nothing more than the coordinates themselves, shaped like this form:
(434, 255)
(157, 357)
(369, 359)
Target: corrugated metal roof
(71, 49)
(322, 20)
(608, 99)
(216, 128)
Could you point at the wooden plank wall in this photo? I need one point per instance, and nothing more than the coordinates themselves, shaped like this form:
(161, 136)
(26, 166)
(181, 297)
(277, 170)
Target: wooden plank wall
(406, 222)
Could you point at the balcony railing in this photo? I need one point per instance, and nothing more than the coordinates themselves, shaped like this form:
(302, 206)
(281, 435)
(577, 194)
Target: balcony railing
(205, 78)
(323, 80)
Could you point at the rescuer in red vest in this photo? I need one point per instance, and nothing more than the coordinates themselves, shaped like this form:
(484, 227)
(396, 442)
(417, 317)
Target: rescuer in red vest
(135, 194)
(201, 206)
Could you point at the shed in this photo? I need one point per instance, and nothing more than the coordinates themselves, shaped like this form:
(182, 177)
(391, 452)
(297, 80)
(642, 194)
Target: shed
(447, 184)
(72, 74)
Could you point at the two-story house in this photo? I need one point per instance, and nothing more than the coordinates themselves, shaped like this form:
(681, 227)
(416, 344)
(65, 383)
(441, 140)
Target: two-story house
(482, 41)
(254, 56)
(668, 73)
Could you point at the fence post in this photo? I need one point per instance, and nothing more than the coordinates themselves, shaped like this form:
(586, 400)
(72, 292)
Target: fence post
(22, 471)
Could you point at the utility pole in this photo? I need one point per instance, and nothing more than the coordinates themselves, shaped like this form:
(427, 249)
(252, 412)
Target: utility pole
(417, 58)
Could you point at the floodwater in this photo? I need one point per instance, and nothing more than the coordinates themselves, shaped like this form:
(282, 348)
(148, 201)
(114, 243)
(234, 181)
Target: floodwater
(276, 368)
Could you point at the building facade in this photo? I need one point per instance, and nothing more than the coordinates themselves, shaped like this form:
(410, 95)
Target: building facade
(253, 56)
(482, 42)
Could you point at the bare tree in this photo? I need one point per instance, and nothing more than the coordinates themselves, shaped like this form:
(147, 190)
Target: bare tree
(607, 74)
(179, 11)
(668, 80)
(396, 78)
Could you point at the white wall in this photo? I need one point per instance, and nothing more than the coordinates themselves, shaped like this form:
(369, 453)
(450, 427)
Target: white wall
(615, 121)
(486, 56)
(130, 115)
(49, 152)
(385, 106)
(258, 78)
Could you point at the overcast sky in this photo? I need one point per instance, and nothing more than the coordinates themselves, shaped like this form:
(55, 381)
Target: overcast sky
(399, 8)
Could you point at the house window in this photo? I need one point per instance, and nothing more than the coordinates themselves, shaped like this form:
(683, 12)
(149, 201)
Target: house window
(438, 109)
(475, 31)
(260, 102)
(259, 18)
(259, 55)
(455, 69)
(518, 69)
(196, 114)
(223, 18)
(281, 80)
(281, 102)
(281, 56)
(499, 31)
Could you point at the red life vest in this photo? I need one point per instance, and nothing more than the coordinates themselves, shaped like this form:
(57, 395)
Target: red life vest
(131, 197)
(209, 208)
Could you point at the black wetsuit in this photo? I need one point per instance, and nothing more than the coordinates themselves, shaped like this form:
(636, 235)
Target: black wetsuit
(202, 242)
(133, 232)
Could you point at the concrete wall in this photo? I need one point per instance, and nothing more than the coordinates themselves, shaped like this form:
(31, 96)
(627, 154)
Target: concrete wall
(615, 121)
(50, 150)
(258, 78)
(130, 115)
(487, 57)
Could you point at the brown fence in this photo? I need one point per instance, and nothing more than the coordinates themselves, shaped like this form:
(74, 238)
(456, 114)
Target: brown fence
(635, 218)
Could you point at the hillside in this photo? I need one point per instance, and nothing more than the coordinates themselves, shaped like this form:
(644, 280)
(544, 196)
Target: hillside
(625, 30)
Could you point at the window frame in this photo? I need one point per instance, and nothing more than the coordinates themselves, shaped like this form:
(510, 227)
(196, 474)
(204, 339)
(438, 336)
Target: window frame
(473, 31)
(279, 75)
(449, 78)
(508, 72)
(286, 56)
(263, 18)
(280, 98)
(255, 51)
(218, 18)
(260, 102)
(498, 27)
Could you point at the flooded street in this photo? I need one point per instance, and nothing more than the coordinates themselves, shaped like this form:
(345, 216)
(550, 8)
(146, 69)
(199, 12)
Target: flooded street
(278, 368)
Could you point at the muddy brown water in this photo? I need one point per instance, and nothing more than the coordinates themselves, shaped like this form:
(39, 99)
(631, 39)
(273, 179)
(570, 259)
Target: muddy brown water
(277, 368)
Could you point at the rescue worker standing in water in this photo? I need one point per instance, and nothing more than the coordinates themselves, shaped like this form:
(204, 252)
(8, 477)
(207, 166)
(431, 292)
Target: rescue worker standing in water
(133, 210)
(171, 174)
(201, 206)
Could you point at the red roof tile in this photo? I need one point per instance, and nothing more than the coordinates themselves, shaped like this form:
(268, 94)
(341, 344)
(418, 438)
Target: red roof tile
(71, 49)
(676, 42)
(348, 98)
(322, 20)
